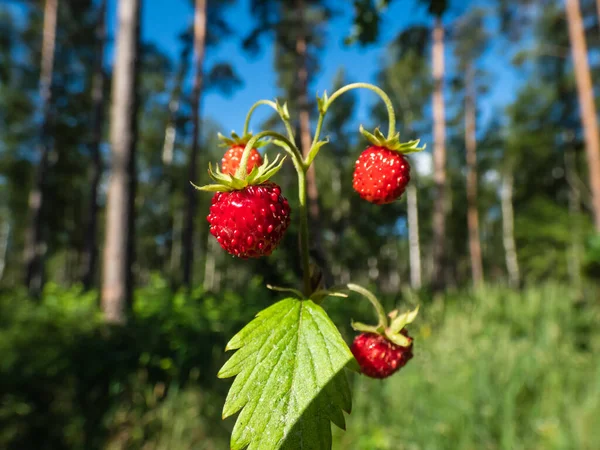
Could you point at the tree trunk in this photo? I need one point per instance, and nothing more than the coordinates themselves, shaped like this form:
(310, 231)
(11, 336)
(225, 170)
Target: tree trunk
(175, 257)
(471, 149)
(171, 130)
(574, 257)
(199, 50)
(508, 235)
(35, 245)
(598, 9)
(211, 263)
(587, 107)
(172, 266)
(413, 237)
(4, 239)
(439, 157)
(312, 191)
(117, 278)
(90, 256)
(414, 246)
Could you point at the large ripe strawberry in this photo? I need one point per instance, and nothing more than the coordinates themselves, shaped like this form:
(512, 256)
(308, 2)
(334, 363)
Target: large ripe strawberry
(249, 222)
(381, 175)
(378, 357)
(232, 158)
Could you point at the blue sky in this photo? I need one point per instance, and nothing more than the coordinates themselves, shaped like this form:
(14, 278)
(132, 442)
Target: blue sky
(163, 20)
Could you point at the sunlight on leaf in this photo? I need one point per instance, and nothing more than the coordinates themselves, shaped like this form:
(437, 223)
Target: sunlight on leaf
(289, 381)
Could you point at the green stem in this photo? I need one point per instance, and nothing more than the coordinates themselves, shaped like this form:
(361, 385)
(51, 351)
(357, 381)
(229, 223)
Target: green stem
(383, 320)
(388, 104)
(290, 149)
(314, 149)
(304, 232)
(301, 169)
(251, 111)
(285, 120)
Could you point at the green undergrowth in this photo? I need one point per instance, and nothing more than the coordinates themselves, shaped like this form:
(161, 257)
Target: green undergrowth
(493, 369)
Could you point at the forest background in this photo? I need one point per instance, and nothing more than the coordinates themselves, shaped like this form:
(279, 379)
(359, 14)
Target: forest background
(497, 236)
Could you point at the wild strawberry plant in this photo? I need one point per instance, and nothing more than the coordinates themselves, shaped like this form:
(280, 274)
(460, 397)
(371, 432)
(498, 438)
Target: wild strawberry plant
(290, 360)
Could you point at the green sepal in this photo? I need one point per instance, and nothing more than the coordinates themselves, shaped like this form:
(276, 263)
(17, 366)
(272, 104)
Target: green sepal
(378, 138)
(236, 140)
(213, 188)
(398, 339)
(400, 321)
(322, 102)
(363, 327)
(228, 183)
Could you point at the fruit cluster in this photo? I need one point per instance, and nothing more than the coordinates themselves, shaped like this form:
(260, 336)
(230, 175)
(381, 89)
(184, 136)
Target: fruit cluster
(251, 221)
(249, 215)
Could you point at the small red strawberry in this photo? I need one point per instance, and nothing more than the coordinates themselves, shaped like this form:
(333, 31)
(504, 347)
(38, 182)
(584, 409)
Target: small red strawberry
(378, 357)
(385, 348)
(233, 156)
(381, 175)
(382, 172)
(249, 222)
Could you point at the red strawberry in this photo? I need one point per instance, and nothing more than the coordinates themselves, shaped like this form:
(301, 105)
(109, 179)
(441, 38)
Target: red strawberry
(233, 156)
(249, 222)
(381, 175)
(378, 357)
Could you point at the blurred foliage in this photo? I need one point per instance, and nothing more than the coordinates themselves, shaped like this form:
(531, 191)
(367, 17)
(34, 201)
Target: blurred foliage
(493, 369)
(70, 381)
(592, 257)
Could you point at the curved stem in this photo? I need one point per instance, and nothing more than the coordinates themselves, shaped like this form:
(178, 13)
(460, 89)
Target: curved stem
(383, 321)
(272, 104)
(251, 111)
(378, 91)
(290, 149)
(384, 97)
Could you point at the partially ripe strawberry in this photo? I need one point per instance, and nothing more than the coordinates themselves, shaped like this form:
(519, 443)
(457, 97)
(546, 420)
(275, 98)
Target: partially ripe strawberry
(378, 357)
(232, 158)
(380, 175)
(249, 222)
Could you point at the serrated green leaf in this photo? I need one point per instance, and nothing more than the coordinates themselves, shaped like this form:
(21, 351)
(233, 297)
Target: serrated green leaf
(290, 382)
